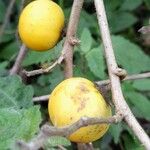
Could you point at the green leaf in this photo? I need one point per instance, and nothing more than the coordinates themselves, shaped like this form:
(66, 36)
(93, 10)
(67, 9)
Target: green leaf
(34, 57)
(140, 102)
(52, 79)
(103, 143)
(113, 5)
(86, 41)
(9, 51)
(81, 68)
(3, 65)
(3, 70)
(19, 119)
(129, 55)
(120, 21)
(18, 124)
(57, 140)
(115, 131)
(85, 18)
(131, 144)
(143, 84)
(46, 83)
(14, 94)
(95, 62)
(130, 4)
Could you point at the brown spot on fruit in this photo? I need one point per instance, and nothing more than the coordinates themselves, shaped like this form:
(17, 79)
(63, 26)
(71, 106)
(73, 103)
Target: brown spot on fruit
(83, 88)
(82, 104)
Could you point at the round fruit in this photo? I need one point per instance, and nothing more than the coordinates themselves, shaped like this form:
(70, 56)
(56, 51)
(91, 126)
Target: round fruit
(40, 24)
(74, 98)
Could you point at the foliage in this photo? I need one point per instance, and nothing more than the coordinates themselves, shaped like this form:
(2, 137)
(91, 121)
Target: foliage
(20, 118)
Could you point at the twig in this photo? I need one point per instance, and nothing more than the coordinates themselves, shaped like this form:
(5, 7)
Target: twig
(42, 70)
(61, 147)
(144, 30)
(100, 83)
(22, 52)
(6, 18)
(83, 146)
(138, 76)
(130, 77)
(16, 67)
(47, 131)
(120, 104)
(41, 98)
(70, 37)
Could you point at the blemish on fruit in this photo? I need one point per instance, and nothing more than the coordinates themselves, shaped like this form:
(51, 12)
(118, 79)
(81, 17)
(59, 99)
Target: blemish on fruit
(82, 104)
(71, 118)
(83, 88)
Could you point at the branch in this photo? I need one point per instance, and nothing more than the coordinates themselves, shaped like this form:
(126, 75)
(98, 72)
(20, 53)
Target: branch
(120, 104)
(48, 131)
(130, 77)
(22, 52)
(16, 67)
(100, 83)
(42, 70)
(70, 37)
(6, 18)
(83, 146)
(144, 30)
(41, 98)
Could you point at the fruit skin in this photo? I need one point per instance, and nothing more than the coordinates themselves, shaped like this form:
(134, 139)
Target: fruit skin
(40, 24)
(74, 98)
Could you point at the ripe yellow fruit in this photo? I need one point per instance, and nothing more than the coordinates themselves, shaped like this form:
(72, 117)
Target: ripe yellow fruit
(40, 24)
(74, 98)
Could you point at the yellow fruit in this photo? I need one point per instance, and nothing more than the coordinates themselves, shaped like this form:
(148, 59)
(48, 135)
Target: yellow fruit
(40, 24)
(74, 98)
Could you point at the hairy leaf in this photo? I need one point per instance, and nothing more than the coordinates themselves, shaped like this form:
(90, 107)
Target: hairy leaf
(18, 124)
(19, 119)
(129, 55)
(120, 21)
(143, 85)
(95, 62)
(115, 131)
(14, 94)
(86, 41)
